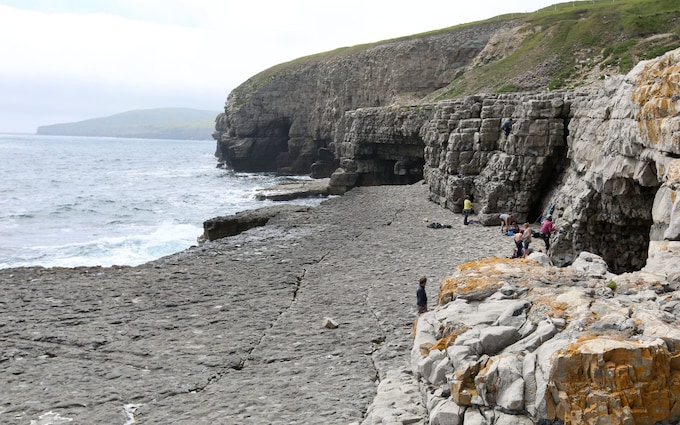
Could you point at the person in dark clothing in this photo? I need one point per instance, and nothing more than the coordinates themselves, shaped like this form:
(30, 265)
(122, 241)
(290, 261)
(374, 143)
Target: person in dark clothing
(421, 296)
(519, 244)
(507, 126)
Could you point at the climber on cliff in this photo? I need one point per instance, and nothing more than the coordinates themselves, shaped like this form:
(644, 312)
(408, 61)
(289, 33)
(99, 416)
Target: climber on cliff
(467, 209)
(507, 126)
(421, 296)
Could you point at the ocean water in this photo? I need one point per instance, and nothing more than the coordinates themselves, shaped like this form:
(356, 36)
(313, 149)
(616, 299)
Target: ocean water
(88, 201)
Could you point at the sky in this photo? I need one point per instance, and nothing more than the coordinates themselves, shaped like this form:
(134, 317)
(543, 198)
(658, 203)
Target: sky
(72, 60)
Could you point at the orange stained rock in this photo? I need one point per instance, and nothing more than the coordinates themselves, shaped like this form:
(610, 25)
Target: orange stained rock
(451, 287)
(447, 340)
(658, 87)
(549, 306)
(614, 380)
(481, 275)
(425, 349)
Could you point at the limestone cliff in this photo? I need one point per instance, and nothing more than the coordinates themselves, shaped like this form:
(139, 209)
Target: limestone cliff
(603, 155)
(605, 158)
(292, 118)
(278, 119)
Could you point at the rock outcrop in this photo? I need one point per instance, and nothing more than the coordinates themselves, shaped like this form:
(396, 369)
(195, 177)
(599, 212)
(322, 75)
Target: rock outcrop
(515, 341)
(379, 146)
(279, 119)
(606, 159)
(602, 157)
(225, 226)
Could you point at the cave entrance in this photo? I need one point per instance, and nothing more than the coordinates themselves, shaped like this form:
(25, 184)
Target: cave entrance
(617, 227)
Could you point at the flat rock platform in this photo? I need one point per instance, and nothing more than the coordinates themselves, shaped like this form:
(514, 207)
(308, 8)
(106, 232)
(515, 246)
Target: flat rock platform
(231, 331)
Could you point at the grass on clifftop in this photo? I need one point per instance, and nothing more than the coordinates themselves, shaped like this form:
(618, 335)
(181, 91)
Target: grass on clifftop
(570, 43)
(563, 46)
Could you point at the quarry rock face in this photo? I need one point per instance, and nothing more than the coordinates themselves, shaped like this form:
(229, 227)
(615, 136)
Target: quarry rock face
(466, 153)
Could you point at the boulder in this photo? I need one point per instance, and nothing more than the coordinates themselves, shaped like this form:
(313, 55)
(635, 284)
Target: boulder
(579, 353)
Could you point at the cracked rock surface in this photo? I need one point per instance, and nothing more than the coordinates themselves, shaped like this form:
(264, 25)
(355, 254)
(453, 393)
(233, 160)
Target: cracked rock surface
(231, 331)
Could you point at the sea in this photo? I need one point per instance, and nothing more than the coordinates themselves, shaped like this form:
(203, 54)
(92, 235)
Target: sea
(103, 201)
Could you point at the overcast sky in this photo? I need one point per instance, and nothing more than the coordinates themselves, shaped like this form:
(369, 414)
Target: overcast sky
(70, 60)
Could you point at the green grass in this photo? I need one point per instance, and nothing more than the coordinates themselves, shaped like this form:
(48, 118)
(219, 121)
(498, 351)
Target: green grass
(569, 39)
(610, 36)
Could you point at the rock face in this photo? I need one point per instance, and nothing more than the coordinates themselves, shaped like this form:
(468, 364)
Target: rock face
(512, 341)
(225, 226)
(279, 119)
(378, 146)
(466, 153)
(606, 159)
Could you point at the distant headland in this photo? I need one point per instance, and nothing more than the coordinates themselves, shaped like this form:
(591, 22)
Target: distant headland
(158, 123)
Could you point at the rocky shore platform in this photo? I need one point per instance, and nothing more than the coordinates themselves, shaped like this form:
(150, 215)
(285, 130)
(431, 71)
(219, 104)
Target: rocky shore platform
(240, 330)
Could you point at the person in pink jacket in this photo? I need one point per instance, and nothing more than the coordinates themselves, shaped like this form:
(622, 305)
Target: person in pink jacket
(547, 229)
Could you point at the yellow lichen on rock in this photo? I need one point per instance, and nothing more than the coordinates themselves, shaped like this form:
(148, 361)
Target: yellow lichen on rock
(481, 278)
(613, 380)
(658, 88)
(448, 339)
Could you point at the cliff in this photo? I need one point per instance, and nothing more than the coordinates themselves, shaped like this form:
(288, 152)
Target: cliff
(511, 341)
(278, 119)
(294, 117)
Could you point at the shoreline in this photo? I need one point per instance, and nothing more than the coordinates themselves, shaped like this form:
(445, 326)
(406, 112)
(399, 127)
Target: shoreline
(303, 193)
(231, 331)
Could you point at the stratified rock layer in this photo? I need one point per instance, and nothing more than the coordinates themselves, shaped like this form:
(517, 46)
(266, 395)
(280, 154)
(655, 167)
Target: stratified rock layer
(532, 342)
(605, 159)
(279, 119)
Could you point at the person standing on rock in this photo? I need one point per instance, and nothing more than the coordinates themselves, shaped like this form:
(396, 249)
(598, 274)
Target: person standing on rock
(421, 296)
(467, 209)
(547, 229)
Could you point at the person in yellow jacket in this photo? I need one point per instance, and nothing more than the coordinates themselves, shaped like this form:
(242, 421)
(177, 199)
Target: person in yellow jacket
(467, 209)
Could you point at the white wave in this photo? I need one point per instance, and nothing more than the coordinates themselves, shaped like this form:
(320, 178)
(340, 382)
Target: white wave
(131, 250)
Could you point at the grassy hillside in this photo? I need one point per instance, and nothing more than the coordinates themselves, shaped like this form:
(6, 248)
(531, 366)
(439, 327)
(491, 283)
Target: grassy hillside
(571, 44)
(563, 46)
(161, 123)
